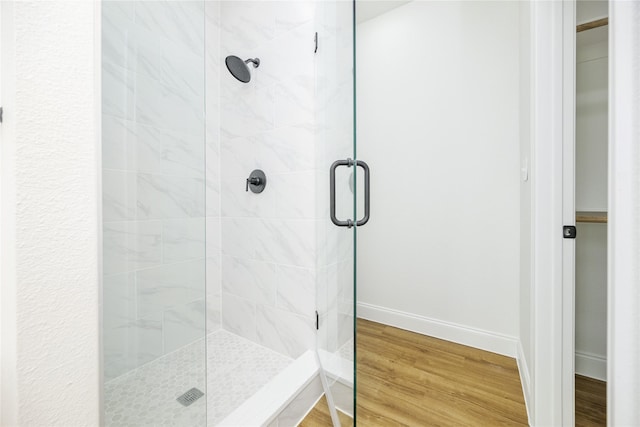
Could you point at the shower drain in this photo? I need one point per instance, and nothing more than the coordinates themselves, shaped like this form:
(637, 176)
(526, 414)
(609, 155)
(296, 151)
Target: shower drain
(190, 396)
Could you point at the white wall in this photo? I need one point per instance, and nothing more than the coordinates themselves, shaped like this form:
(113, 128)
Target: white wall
(591, 195)
(525, 350)
(55, 275)
(589, 10)
(591, 120)
(438, 113)
(369, 9)
(591, 300)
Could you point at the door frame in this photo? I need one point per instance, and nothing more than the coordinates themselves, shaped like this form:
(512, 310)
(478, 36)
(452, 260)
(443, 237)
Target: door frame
(623, 299)
(568, 210)
(552, 78)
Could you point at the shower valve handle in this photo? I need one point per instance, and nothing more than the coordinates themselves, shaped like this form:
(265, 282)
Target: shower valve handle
(254, 180)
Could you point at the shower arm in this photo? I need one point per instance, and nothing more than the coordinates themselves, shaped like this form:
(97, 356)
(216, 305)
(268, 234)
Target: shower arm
(254, 61)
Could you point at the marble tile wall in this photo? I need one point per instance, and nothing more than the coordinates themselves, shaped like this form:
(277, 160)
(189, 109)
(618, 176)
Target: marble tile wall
(177, 220)
(213, 165)
(269, 240)
(155, 217)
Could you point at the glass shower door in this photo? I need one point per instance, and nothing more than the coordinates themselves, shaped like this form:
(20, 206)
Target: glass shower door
(335, 87)
(153, 176)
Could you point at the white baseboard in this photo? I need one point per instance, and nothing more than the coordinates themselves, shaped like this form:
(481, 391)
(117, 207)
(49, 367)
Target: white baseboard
(526, 382)
(484, 340)
(591, 365)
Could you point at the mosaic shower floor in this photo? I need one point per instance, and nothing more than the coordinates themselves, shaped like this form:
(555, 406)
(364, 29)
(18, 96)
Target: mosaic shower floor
(236, 369)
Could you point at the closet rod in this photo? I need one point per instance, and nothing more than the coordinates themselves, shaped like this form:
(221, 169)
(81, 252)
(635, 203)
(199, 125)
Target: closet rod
(593, 24)
(592, 217)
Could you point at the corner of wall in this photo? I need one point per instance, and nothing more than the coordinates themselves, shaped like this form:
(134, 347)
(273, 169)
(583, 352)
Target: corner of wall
(525, 380)
(524, 352)
(8, 327)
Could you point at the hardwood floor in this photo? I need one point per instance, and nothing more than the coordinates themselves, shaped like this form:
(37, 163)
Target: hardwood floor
(319, 416)
(591, 402)
(404, 378)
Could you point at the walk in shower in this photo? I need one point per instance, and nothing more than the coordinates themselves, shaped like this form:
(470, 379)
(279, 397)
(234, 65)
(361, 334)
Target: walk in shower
(228, 292)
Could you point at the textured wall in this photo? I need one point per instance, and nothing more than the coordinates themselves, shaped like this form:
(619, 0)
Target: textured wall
(56, 214)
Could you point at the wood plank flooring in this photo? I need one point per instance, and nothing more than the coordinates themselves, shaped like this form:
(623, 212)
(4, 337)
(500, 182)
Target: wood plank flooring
(320, 416)
(404, 378)
(591, 402)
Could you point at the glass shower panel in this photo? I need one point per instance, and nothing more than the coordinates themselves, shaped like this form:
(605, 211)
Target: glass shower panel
(153, 183)
(336, 248)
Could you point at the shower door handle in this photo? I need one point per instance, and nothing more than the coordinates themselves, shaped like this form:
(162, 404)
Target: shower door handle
(367, 192)
(332, 192)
